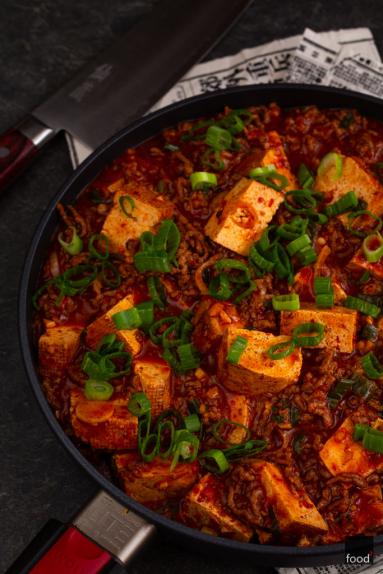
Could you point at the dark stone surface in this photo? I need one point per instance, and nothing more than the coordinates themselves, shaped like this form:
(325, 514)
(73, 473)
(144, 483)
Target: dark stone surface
(41, 44)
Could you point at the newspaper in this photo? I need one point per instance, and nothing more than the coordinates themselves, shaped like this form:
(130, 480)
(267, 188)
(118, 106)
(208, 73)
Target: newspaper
(342, 58)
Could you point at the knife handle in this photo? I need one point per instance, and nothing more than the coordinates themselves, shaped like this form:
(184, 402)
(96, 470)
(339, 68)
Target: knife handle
(19, 146)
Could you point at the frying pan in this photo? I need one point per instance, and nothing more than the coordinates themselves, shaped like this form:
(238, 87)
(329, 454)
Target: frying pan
(211, 103)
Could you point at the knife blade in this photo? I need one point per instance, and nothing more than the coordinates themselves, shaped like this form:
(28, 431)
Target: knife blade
(122, 83)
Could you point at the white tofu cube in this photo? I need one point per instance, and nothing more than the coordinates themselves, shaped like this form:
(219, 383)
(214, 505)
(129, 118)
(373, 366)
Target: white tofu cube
(255, 373)
(355, 177)
(342, 454)
(154, 378)
(146, 210)
(340, 325)
(204, 506)
(57, 347)
(293, 508)
(242, 215)
(105, 325)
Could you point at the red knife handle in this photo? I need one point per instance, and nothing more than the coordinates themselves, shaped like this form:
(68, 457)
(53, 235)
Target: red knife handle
(19, 146)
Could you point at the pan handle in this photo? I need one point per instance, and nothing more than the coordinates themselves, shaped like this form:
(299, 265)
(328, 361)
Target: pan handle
(19, 146)
(104, 531)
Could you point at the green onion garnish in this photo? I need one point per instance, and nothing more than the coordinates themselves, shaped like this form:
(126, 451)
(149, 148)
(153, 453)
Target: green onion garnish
(236, 349)
(255, 258)
(281, 350)
(300, 201)
(308, 334)
(363, 213)
(192, 423)
(186, 446)
(324, 300)
(214, 461)
(220, 428)
(372, 439)
(220, 288)
(288, 302)
(98, 390)
(373, 247)
(347, 202)
(156, 291)
(297, 244)
(158, 251)
(307, 255)
(152, 261)
(110, 275)
(102, 239)
(305, 177)
(74, 246)
(203, 180)
(139, 404)
(127, 205)
(370, 333)
(362, 306)
(268, 176)
(359, 431)
(371, 366)
(100, 366)
(184, 358)
(322, 285)
(141, 315)
(218, 138)
(294, 229)
(171, 147)
(329, 160)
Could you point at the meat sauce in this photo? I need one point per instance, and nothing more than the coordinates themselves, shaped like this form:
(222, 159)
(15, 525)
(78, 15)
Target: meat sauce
(297, 421)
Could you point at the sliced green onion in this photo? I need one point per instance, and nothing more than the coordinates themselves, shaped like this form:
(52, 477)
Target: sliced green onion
(373, 441)
(362, 213)
(101, 367)
(217, 432)
(72, 279)
(269, 177)
(171, 147)
(217, 163)
(324, 300)
(245, 449)
(192, 423)
(258, 260)
(329, 160)
(139, 404)
(233, 264)
(307, 255)
(218, 138)
(373, 247)
(110, 344)
(188, 357)
(152, 261)
(288, 302)
(74, 246)
(371, 366)
(127, 205)
(282, 263)
(347, 202)
(146, 312)
(220, 287)
(319, 218)
(101, 238)
(263, 171)
(233, 123)
(265, 243)
(252, 286)
(308, 334)
(186, 446)
(322, 285)
(98, 390)
(203, 180)
(359, 431)
(127, 319)
(236, 349)
(110, 275)
(297, 244)
(214, 461)
(294, 229)
(362, 306)
(168, 238)
(305, 177)
(170, 321)
(281, 350)
(370, 333)
(303, 201)
(156, 291)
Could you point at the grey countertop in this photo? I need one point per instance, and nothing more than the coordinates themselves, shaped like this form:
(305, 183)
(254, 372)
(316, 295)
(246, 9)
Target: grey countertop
(41, 44)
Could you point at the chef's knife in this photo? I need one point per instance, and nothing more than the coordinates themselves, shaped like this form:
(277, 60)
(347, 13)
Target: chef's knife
(124, 82)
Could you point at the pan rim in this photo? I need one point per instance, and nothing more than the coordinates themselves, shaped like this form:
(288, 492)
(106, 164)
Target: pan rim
(24, 310)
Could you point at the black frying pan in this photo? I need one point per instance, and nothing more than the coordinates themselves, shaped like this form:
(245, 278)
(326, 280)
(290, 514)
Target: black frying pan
(285, 96)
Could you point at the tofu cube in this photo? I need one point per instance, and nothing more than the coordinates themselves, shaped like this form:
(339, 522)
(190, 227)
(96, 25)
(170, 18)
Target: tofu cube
(239, 412)
(360, 263)
(146, 210)
(256, 374)
(154, 378)
(104, 325)
(203, 507)
(355, 177)
(342, 454)
(57, 348)
(274, 154)
(293, 509)
(153, 482)
(106, 425)
(340, 325)
(242, 215)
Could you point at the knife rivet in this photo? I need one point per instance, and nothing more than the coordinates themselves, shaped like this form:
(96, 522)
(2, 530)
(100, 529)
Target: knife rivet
(4, 152)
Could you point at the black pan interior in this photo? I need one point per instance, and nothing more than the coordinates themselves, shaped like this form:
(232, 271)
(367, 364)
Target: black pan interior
(286, 96)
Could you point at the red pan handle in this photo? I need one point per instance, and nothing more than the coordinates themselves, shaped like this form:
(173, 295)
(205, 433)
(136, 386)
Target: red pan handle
(19, 146)
(103, 532)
